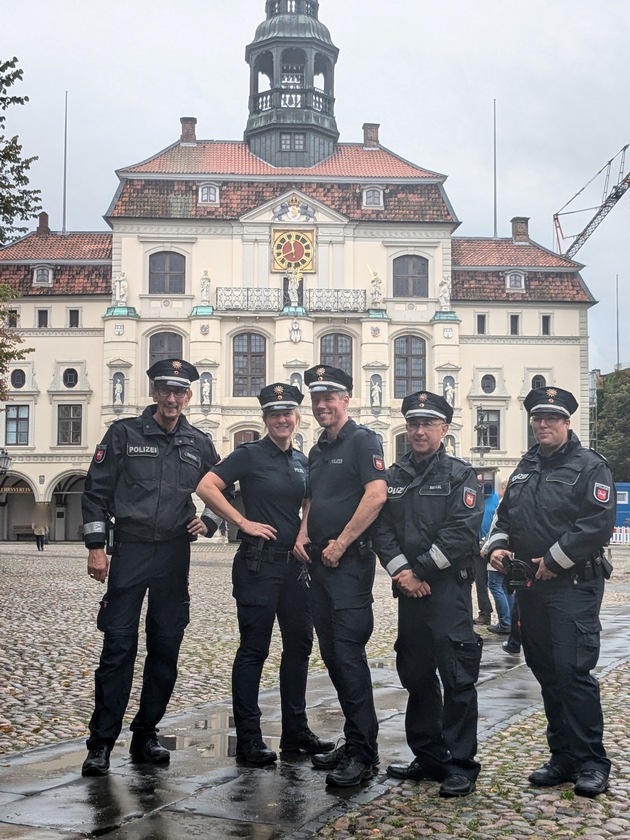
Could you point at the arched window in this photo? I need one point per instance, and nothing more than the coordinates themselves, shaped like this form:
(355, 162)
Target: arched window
(411, 277)
(488, 383)
(70, 378)
(167, 273)
(18, 378)
(538, 381)
(246, 436)
(402, 445)
(166, 345)
(249, 364)
(336, 350)
(410, 359)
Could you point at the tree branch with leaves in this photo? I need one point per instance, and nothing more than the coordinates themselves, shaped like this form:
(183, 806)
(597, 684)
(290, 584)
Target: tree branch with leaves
(17, 201)
(10, 339)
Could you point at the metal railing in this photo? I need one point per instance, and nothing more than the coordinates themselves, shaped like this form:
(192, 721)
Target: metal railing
(273, 300)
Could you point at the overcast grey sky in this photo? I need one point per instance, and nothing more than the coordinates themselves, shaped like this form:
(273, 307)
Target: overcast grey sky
(428, 72)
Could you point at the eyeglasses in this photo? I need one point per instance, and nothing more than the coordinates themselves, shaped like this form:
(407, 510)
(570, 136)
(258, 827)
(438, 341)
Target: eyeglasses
(549, 419)
(165, 391)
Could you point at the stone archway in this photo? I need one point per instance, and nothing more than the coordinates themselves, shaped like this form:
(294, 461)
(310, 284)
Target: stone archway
(66, 520)
(17, 508)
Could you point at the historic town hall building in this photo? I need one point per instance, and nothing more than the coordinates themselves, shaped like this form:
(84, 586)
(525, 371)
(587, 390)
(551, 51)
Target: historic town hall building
(256, 259)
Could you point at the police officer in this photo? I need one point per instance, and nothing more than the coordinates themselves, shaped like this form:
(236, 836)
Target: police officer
(425, 538)
(268, 582)
(142, 475)
(556, 515)
(347, 491)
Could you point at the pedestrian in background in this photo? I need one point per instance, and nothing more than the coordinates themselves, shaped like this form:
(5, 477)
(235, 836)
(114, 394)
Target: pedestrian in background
(425, 538)
(41, 532)
(556, 516)
(347, 489)
(480, 563)
(496, 581)
(142, 476)
(268, 582)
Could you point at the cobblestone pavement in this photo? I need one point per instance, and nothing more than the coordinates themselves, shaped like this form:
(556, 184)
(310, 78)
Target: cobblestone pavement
(50, 644)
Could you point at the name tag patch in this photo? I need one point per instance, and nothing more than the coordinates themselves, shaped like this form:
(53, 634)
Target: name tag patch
(192, 457)
(146, 451)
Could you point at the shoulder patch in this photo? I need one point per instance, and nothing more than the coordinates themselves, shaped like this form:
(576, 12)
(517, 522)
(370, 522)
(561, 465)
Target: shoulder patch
(470, 497)
(379, 462)
(100, 453)
(601, 492)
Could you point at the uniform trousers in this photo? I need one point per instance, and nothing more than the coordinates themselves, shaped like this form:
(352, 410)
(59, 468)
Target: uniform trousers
(560, 630)
(261, 596)
(435, 635)
(161, 569)
(342, 612)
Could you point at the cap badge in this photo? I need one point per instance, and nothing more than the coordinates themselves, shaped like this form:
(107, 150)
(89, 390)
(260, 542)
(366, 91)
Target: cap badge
(320, 373)
(177, 368)
(422, 398)
(552, 394)
(279, 391)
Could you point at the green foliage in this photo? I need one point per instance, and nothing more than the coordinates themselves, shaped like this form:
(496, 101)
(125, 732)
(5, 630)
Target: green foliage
(613, 425)
(10, 339)
(16, 200)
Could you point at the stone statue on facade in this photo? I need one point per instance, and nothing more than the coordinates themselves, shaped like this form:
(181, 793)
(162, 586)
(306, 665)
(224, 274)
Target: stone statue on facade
(293, 287)
(205, 287)
(449, 392)
(118, 392)
(375, 392)
(445, 294)
(375, 285)
(120, 289)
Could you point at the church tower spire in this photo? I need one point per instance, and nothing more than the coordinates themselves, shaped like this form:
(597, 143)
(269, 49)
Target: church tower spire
(292, 86)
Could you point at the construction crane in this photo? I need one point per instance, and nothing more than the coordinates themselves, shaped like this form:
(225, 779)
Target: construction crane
(609, 199)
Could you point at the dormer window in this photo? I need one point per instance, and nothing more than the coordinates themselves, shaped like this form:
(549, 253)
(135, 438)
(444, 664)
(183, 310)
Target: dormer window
(43, 275)
(373, 197)
(515, 281)
(208, 194)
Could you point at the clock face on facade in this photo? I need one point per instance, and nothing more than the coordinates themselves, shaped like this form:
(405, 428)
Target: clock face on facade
(293, 249)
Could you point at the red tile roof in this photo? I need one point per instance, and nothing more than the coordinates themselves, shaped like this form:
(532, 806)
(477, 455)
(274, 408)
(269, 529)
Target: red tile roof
(83, 247)
(210, 158)
(157, 199)
(506, 252)
(548, 286)
(68, 280)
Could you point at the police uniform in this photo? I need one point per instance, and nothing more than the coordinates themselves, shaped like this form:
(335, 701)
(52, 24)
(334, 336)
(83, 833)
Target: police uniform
(561, 508)
(266, 583)
(342, 597)
(143, 477)
(430, 525)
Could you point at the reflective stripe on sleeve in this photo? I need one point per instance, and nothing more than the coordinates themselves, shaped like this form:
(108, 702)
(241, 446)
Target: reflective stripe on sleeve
(396, 564)
(560, 557)
(499, 536)
(94, 528)
(439, 558)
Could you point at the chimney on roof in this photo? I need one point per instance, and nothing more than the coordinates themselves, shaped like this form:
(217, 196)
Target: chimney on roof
(520, 228)
(189, 135)
(370, 135)
(42, 225)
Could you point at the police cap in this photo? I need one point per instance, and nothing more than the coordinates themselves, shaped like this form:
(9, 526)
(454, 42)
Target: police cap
(327, 378)
(174, 372)
(279, 397)
(426, 404)
(550, 400)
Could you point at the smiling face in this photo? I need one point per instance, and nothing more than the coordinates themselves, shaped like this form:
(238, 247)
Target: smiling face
(170, 401)
(425, 436)
(550, 429)
(280, 426)
(330, 409)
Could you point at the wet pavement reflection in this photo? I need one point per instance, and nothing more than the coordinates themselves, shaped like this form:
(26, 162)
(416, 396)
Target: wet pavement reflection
(205, 793)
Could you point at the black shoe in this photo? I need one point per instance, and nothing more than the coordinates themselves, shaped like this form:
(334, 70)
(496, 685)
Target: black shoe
(97, 761)
(416, 771)
(500, 629)
(329, 760)
(308, 742)
(551, 774)
(350, 771)
(457, 785)
(148, 751)
(255, 752)
(513, 651)
(591, 783)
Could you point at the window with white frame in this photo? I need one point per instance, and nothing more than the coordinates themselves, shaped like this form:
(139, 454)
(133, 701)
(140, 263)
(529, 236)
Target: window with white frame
(515, 324)
(73, 318)
(42, 318)
(208, 194)
(545, 324)
(515, 281)
(373, 197)
(481, 323)
(43, 275)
